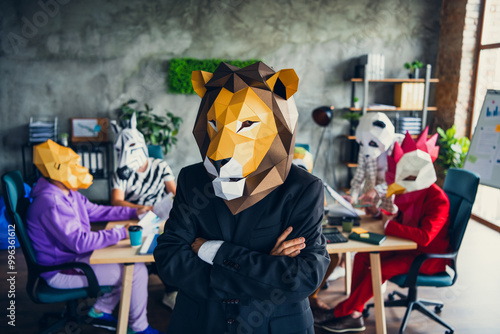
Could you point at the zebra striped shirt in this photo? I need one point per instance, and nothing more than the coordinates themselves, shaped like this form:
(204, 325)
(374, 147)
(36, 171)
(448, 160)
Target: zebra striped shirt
(148, 187)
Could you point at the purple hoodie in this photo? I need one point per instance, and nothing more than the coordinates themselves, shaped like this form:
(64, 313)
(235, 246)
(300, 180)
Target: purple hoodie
(59, 225)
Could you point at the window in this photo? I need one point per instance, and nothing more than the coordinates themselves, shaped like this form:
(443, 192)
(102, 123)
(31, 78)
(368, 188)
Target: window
(487, 205)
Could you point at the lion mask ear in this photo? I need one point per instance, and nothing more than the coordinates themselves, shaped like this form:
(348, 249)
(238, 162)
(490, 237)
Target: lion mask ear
(284, 83)
(199, 79)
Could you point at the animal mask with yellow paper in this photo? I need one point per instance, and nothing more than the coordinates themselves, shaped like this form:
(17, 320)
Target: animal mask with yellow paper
(245, 130)
(61, 164)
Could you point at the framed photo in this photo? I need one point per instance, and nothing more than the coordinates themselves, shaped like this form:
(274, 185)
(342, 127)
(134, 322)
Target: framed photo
(89, 129)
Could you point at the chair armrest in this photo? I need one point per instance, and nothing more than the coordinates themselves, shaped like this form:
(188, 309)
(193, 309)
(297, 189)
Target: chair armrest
(93, 287)
(411, 278)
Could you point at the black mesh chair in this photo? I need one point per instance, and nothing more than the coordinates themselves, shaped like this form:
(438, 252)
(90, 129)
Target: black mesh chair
(38, 290)
(460, 186)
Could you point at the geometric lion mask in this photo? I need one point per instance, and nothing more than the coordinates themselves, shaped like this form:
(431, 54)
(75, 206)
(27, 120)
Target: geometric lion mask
(245, 130)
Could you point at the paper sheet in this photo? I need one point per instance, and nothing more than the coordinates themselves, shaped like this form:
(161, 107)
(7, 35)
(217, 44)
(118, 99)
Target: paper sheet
(163, 207)
(150, 223)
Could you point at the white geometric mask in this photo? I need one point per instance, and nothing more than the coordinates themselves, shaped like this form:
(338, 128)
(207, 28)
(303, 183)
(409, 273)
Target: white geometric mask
(132, 150)
(375, 134)
(415, 171)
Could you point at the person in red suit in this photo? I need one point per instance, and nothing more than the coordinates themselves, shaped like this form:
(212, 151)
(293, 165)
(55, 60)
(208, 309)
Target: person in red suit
(422, 217)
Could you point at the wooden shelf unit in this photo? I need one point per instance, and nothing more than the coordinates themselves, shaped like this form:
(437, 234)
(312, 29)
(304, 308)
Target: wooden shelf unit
(366, 85)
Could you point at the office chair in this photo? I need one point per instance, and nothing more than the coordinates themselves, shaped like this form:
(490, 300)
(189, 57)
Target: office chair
(460, 186)
(38, 290)
(154, 151)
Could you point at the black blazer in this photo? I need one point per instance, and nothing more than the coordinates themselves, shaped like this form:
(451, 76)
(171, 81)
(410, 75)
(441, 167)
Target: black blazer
(246, 290)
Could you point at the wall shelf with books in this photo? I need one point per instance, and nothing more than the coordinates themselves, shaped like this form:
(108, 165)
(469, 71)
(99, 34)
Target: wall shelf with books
(391, 109)
(410, 103)
(394, 80)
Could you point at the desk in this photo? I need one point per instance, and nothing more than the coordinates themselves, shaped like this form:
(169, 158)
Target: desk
(121, 253)
(390, 244)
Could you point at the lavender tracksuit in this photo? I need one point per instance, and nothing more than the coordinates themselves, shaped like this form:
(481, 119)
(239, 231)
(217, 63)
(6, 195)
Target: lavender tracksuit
(59, 228)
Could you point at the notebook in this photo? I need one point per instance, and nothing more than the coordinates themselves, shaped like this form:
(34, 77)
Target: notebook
(369, 237)
(149, 245)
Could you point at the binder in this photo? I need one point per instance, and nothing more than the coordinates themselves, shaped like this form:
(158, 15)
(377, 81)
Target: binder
(149, 245)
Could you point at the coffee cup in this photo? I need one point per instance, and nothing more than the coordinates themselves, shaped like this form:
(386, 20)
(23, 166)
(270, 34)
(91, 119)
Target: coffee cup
(347, 225)
(135, 235)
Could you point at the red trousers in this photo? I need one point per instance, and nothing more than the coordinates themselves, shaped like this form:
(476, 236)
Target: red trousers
(392, 264)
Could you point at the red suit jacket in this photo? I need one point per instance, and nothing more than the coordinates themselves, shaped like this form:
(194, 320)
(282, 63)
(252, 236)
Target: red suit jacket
(423, 218)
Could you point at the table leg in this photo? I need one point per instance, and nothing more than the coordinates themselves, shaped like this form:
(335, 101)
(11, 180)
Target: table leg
(128, 275)
(348, 273)
(377, 293)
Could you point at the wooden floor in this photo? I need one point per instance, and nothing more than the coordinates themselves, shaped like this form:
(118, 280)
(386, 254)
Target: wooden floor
(472, 305)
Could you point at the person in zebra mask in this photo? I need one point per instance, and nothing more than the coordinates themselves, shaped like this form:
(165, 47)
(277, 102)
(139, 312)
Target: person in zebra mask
(141, 181)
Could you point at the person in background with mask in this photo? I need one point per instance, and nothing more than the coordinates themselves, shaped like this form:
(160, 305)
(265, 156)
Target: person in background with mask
(376, 138)
(141, 182)
(58, 223)
(423, 217)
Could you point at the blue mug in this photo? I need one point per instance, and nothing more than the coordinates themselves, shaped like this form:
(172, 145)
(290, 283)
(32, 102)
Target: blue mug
(135, 235)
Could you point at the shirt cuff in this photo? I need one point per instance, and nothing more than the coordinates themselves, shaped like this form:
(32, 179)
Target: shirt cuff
(209, 249)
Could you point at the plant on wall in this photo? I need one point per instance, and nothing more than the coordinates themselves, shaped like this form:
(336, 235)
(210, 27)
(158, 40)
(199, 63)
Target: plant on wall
(157, 130)
(452, 151)
(179, 73)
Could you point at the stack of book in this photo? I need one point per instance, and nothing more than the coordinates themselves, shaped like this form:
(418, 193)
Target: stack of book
(43, 128)
(375, 66)
(411, 124)
(409, 95)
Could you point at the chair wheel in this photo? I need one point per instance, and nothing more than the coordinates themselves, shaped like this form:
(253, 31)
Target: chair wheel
(449, 332)
(438, 308)
(366, 313)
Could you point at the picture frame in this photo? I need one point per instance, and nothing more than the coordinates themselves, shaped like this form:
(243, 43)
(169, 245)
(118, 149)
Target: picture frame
(89, 129)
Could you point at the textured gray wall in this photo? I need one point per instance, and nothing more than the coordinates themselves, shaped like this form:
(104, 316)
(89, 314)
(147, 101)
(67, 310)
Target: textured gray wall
(84, 58)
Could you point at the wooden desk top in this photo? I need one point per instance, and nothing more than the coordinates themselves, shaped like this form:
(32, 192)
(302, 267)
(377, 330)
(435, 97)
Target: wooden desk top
(371, 225)
(121, 252)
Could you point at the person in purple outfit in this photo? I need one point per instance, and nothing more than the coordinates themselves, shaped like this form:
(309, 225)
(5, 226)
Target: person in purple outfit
(58, 223)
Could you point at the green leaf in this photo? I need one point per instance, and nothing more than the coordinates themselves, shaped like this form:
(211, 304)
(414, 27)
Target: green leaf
(179, 73)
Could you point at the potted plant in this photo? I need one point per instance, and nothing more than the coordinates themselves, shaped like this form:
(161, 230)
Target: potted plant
(452, 151)
(355, 102)
(414, 68)
(353, 118)
(157, 130)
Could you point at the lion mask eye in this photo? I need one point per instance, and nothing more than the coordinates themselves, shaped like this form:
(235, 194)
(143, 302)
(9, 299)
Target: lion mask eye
(213, 124)
(247, 126)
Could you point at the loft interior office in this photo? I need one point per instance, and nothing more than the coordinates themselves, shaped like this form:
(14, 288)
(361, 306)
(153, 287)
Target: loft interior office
(86, 59)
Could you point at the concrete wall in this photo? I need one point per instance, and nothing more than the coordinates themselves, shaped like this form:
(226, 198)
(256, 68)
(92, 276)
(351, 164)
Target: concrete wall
(84, 58)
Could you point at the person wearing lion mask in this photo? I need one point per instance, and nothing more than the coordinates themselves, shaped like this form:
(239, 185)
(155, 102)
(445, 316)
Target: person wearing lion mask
(243, 242)
(59, 226)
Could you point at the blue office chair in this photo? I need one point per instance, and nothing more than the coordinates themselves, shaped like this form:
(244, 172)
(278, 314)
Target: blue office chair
(461, 187)
(155, 151)
(38, 290)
